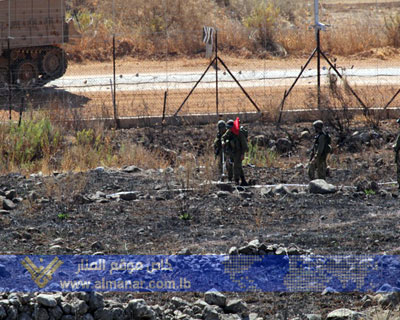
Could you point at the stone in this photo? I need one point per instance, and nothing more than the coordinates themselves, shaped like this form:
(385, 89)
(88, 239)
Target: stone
(117, 313)
(184, 252)
(103, 314)
(80, 307)
(56, 248)
(128, 195)
(312, 316)
(210, 313)
(3, 313)
(344, 314)
(260, 140)
(283, 145)
(140, 309)
(266, 192)
(67, 308)
(11, 194)
(389, 299)
(249, 250)
(46, 300)
(214, 297)
(328, 290)
(254, 243)
(280, 189)
(233, 251)
(305, 134)
(223, 194)
(232, 316)
(131, 169)
(253, 316)
(8, 205)
(201, 304)
(23, 316)
(96, 301)
(179, 303)
(97, 246)
(236, 306)
(88, 316)
(40, 313)
(281, 251)
(68, 317)
(320, 186)
(55, 312)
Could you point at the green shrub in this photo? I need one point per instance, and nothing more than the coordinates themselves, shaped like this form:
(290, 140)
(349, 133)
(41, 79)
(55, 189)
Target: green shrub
(262, 22)
(260, 157)
(87, 137)
(31, 141)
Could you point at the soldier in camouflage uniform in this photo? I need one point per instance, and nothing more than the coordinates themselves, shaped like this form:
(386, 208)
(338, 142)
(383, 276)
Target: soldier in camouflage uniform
(396, 148)
(235, 147)
(319, 152)
(218, 144)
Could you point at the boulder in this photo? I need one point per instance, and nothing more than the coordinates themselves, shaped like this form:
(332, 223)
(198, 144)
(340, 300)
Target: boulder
(210, 313)
(283, 145)
(139, 309)
(260, 140)
(131, 169)
(344, 314)
(214, 297)
(236, 306)
(8, 205)
(46, 300)
(55, 313)
(10, 194)
(320, 186)
(96, 301)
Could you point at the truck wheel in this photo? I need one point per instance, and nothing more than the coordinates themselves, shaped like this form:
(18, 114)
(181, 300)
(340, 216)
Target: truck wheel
(54, 63)
(25, 74)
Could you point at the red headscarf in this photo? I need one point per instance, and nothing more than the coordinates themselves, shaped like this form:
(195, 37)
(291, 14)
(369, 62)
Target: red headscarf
(236, 127)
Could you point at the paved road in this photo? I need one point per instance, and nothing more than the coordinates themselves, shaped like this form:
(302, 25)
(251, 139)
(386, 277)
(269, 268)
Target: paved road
(248, 78)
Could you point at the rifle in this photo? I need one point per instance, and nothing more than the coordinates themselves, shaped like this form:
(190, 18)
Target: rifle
(312, 153)
(223, 164)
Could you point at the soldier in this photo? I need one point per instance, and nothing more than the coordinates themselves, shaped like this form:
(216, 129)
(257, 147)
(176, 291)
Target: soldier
(218, 151)
(319, 152)
(396, 148)
(235, 145)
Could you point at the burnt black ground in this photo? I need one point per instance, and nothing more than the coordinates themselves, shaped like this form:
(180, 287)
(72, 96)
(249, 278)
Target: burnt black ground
(164, 221)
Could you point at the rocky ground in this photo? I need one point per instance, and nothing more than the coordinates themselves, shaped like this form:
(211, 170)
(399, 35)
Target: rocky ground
(178, 209)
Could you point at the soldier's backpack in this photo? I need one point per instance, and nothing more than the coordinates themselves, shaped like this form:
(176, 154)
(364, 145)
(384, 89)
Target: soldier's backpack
(243, 136)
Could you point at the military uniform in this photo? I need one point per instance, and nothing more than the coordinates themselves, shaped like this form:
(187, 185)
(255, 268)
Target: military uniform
(235, 147)
(320, 151)
(218, 144)
(396, 148)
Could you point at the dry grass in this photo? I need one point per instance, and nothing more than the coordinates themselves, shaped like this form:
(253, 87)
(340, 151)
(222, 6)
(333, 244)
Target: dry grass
(61, 111)
(161, 29)
(42, 145)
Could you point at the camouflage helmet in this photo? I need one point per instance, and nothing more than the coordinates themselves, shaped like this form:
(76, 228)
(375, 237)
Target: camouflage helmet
(221, 124)
(229, 124)
(318, 124)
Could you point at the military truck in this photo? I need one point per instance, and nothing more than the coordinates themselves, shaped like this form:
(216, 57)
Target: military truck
(31, 35)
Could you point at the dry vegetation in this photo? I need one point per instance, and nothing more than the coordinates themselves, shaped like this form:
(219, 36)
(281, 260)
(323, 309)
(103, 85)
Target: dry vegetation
(247, 28)
(39, 144)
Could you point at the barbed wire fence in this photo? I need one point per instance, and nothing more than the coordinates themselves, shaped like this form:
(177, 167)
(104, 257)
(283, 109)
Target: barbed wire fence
(105, 79)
